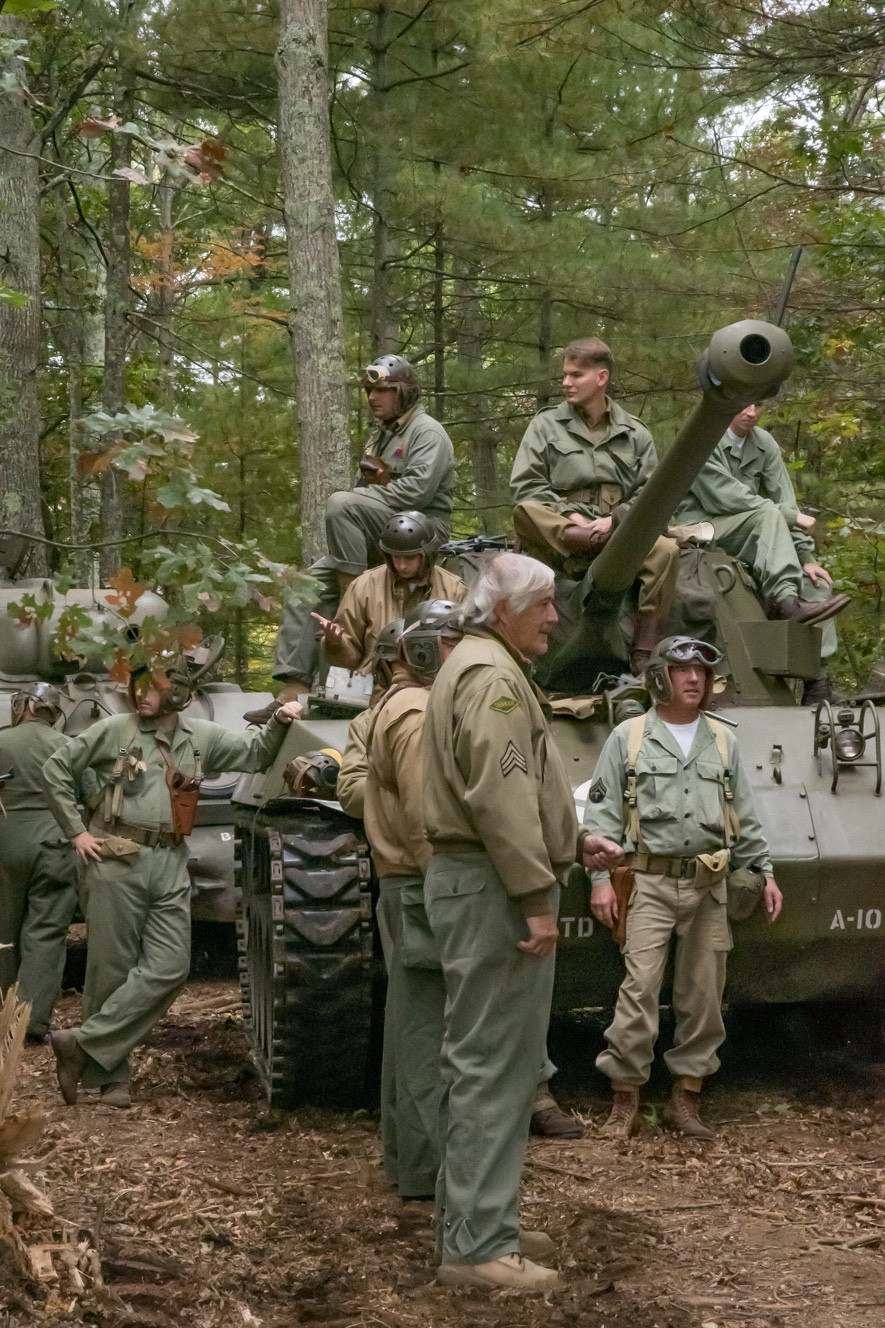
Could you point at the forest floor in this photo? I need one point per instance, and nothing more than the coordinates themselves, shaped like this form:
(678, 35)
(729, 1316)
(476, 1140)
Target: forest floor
(206, 1209)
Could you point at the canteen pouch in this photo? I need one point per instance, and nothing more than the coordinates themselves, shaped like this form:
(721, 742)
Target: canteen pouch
(184, 794)
(115, 847)
(710, 868)
(745, 888)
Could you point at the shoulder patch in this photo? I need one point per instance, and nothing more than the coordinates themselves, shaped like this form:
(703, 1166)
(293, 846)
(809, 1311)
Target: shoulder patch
(597, 791)
(504, 705)
(513, 759)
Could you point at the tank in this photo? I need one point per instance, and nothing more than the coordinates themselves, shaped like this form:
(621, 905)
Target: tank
(311, 970)
(27, 654)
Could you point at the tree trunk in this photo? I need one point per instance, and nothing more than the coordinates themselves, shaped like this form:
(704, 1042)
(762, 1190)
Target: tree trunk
(383, 324)
(486, 496)
(19, 326)
(117, 328)
(315, 286)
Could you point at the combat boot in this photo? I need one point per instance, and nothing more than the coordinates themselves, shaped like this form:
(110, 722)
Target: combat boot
(807, 610)
(645, 637)
(70, 1062)
(624, 1116)
(549, 1119)
(682, 1111)
(294, 687)
(115, 1095)
(511, 1270)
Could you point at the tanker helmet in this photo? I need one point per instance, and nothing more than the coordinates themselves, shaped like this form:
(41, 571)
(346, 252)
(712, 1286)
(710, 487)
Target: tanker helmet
(426, 625)
(314, 775)
(45, 699)
(408, 533)
(386, 652)
(679, 650)
(394, 371)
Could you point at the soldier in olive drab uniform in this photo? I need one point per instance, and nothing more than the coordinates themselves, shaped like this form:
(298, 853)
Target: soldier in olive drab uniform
(137, 884)
(578, 465)
(351, 788)
(39, 874)
(408, 576)
(686, 818)
(394, 819)
(501, 823)
(745, 491)
(408, 465)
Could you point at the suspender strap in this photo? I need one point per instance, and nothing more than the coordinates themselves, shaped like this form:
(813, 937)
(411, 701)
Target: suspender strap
(113, 791)
(635, 734)
(730, 817)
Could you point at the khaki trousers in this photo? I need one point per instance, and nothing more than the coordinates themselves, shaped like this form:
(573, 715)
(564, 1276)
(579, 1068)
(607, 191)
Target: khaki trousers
(39, 878)
(496, 1016)
(139, 938)
(540, 530)
(411, 1084)
(661, 907)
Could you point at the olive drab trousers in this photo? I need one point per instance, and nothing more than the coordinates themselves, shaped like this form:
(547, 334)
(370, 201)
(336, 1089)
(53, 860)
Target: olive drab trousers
(354, 522)
(660, 907)
(761, 539)
(496, 1016)
(139, 937)
(540, 530)
(38, 896)
(413, 1034)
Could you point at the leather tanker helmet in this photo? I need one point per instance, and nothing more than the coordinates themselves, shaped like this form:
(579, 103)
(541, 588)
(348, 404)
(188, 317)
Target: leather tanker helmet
(45, 699)
(679, 650)
(393, 371)
(431, 621)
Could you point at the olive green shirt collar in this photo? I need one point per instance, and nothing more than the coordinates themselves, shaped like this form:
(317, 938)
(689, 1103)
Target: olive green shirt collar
(619, 421)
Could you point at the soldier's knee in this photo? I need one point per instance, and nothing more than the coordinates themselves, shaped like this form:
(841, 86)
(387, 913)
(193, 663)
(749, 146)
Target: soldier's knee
(337, 504)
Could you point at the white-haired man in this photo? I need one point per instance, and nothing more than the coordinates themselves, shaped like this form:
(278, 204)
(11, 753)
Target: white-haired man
(501, 823)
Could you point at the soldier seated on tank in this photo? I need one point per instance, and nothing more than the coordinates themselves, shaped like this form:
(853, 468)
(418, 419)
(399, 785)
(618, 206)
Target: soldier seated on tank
(746, 493)
(39, 874)
(408, 465)
(579, 464)
(382, 594)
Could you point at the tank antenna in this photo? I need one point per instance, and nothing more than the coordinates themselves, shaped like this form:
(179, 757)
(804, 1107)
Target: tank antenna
(784, 297)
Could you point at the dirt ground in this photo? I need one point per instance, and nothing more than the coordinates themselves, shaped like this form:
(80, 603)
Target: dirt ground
(206, 1209)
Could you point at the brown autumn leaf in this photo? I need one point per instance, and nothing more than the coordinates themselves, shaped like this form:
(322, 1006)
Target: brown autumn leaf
(127, 588)
(93, 463)
(93, 126)
(121, 668)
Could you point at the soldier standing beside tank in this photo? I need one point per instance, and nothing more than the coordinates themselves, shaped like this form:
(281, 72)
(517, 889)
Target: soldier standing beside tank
(382, 594)
(577, 466)
(501, 823)
(686, 817)
(39, 873)
(413, 1015)
(745, 491)
(148, 767)
(351, 787)
(408, 465)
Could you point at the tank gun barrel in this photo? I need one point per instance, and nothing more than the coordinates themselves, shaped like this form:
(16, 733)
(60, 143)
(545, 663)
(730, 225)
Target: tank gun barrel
(744, 362)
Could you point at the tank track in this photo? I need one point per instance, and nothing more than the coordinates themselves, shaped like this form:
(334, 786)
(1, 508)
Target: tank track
(306, 952)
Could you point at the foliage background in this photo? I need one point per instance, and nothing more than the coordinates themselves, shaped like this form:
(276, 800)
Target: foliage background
(508, 176)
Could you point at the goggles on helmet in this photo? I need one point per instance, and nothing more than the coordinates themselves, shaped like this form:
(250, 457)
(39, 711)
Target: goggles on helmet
(376, 373)
(685, 651)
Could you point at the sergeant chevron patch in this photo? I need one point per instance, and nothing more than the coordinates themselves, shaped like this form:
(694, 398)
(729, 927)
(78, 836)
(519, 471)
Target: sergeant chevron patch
(513, 759)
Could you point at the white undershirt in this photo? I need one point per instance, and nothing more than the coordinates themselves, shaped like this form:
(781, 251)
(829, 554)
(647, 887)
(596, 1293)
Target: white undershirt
(684, 733)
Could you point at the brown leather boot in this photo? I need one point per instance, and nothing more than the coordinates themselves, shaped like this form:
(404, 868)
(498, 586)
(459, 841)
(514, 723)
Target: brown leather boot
(70, 1062)
(682, 1112)
(624, 1116)
(645, 637)
(292, 689)
(809, 610)
(554, 1123)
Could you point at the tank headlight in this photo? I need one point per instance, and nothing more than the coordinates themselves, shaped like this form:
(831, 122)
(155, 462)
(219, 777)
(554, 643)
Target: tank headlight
(849, 741)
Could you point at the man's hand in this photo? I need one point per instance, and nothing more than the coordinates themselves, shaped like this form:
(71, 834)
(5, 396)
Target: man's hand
(544, 935)
(598, 854)
(817, 575)
(600, 529)
(805, 522)
(87, 846)
(774, 900)
(291, 710)
(604, 904)
(333, 634)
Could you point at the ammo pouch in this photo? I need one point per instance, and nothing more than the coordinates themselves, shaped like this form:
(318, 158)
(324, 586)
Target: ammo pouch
(114, 847)
(745, 888)
(184, 794)
(710, 868)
